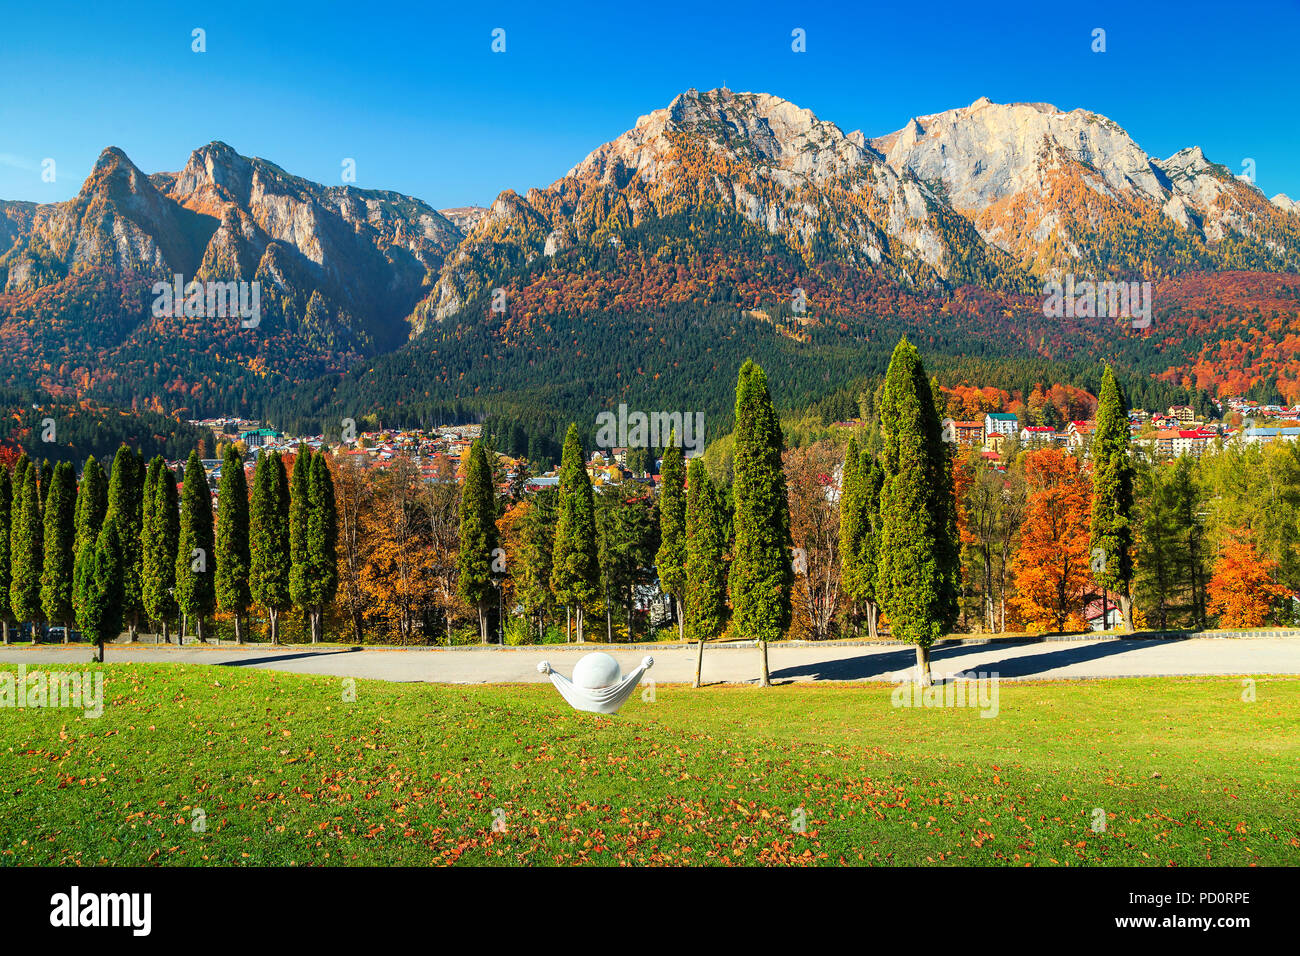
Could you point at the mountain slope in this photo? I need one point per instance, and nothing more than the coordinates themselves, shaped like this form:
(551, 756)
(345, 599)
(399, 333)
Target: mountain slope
(753, 156)
(339, 270)
(1064, 191)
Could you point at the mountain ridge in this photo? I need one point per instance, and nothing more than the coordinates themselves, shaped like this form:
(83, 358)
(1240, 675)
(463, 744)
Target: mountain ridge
(721, 199)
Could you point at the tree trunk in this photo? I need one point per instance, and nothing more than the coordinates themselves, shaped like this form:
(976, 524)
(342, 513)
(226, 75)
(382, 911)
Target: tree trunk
(681, 621)
(764, 679)
(67, 631)
(166, 638)
(100, 649)
(133, 627)
(580, 621)
(4, 625)
(568, 624)
(923, 665)
(239, 628)
(873, 620)
(185, 623)
(1125, 608)
(199, 632)
(1105, 611)
(609, 625)
(699, 663)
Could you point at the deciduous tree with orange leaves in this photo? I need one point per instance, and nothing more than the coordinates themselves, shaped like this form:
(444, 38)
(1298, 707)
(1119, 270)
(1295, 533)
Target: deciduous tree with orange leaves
(1243, 589)
(1051, 569)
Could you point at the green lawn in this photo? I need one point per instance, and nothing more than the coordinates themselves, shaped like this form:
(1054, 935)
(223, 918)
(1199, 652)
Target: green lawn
(287, 772)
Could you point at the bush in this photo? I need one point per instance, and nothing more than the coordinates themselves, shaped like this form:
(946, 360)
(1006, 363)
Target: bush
(464, 636)
(554, 635)
(519, 632)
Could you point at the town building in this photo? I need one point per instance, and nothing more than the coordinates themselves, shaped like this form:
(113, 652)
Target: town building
(1000, 423)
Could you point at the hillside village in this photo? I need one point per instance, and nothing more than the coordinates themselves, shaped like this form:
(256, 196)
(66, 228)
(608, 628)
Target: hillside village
(1164, 435)
(436, 453)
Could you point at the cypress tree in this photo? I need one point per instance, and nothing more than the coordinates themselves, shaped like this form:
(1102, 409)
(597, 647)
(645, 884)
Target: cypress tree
(537, 542)
(92, 502)
(161, 539)
(57, 566)
(575, 571)
(195, 595)
(706, 566)
(231, 583)
(27, 552)
(322, 543)
(478, 536)
(1188, 499)
(1111, 537)
(44, 475)
(762, 574)
(148, 519)
(125, 496)
(269, 539)
(670, 562)
(6, 506)
(859, 532)
(19, 475)
(299, 519)
(918, 574)
(101, 572)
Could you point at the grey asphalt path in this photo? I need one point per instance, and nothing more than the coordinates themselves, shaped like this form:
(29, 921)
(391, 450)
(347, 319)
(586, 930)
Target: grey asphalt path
(727, 663)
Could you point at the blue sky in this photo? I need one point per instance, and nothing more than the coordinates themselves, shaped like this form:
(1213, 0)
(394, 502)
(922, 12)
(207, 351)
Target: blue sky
(415, 95)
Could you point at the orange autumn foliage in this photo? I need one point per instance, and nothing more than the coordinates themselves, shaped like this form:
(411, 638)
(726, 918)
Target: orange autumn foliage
(1242, 589)
(1051, 569)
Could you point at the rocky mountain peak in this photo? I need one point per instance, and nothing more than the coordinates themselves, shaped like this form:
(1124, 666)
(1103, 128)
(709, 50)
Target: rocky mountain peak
(115, 175)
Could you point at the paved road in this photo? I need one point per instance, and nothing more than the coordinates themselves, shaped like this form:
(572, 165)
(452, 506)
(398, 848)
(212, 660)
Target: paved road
(731, 664)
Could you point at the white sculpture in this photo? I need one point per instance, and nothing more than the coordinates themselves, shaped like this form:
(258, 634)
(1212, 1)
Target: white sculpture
(597, 686)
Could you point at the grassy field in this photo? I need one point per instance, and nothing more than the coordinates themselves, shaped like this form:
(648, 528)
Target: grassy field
(284, 771)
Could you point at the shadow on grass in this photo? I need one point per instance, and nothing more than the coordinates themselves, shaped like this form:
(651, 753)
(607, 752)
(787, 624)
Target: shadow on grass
(248, 662)
(885, 664)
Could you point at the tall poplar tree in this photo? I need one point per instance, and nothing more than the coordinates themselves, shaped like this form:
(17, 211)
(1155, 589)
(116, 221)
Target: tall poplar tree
(918, 575)
(1111, 535)
(44, 473)
(58, 530)
(269, 539)
(161, 529)
(322, 543)
(478, 536)
(706, 565)
(92, 502)
(299, 519)
(27, 550)
(762, 574)
(575, 572)
(536, 544)
(6, 566)
(231, 583)
(195, 592)
(859, 532)
(670, 562)
(100, 580)
(125, 495)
